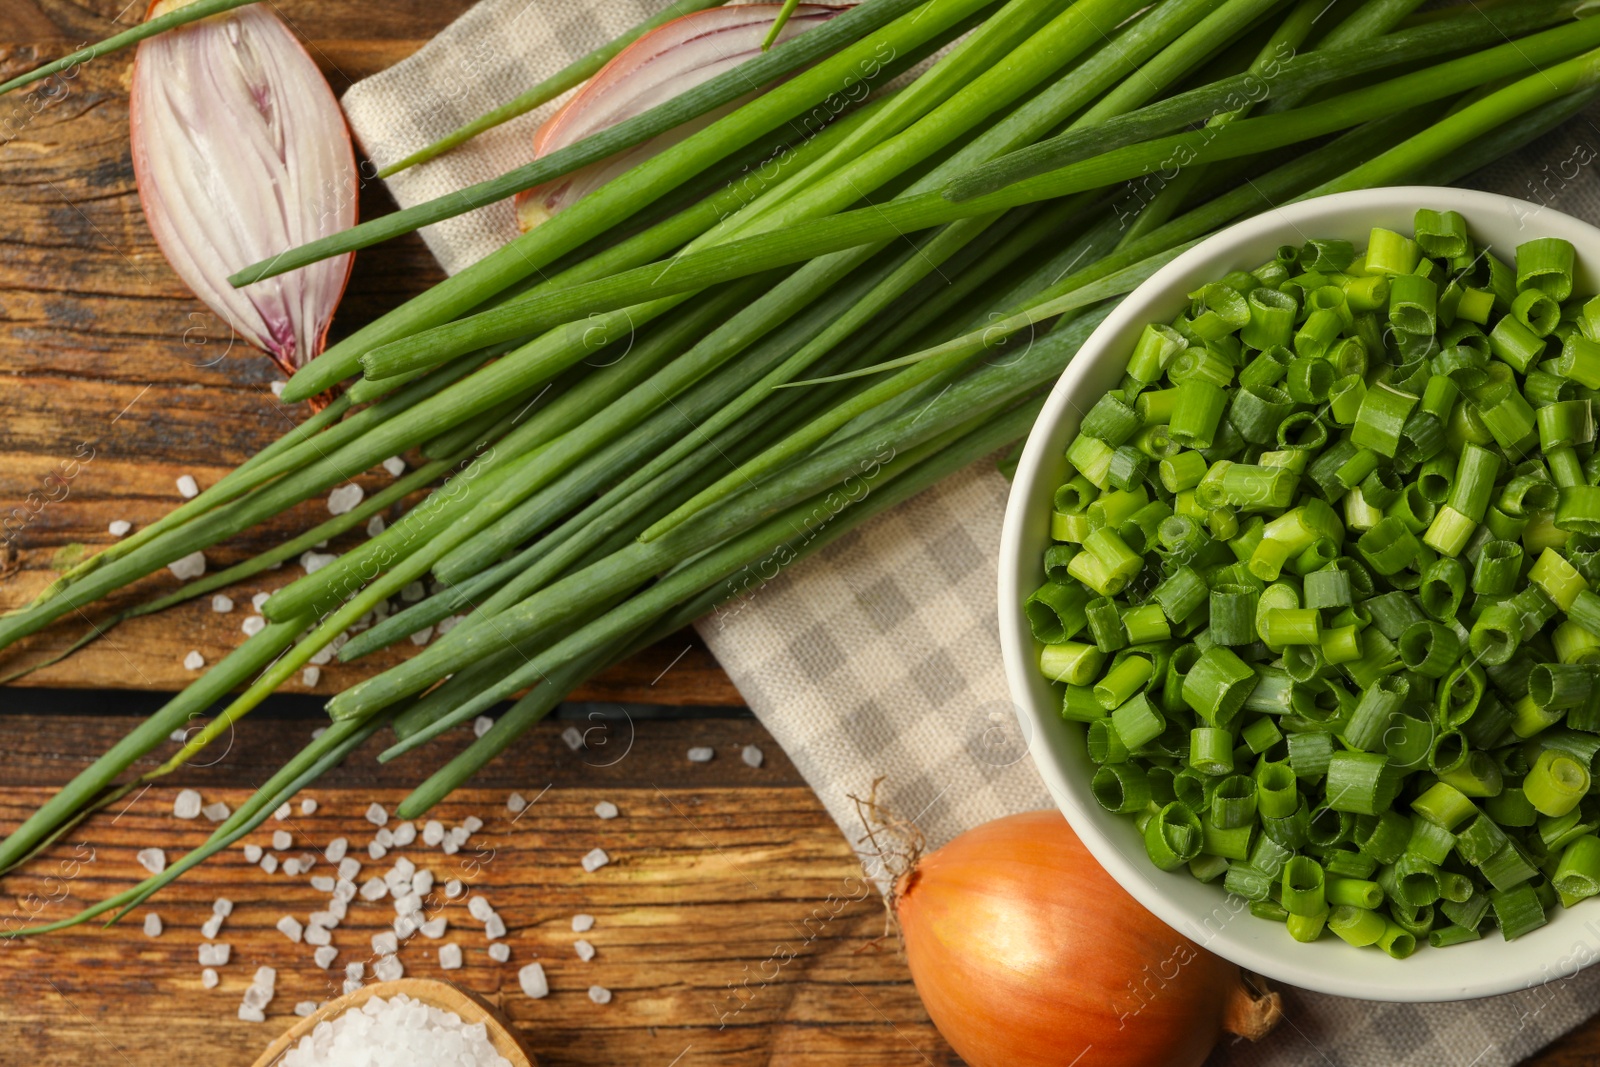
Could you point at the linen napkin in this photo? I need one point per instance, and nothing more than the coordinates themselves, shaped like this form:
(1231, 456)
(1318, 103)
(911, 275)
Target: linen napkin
(879, 657)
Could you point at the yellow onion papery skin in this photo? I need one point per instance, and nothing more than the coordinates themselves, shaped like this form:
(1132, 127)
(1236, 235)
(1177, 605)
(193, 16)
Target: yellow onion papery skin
(671, 59)
(1027, 954)
(239, 150)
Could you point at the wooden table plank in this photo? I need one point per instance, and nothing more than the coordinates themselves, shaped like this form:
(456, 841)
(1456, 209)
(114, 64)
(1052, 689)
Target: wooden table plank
(717, 872)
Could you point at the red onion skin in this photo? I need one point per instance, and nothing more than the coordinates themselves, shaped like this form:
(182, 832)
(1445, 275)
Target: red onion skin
(1027, 954)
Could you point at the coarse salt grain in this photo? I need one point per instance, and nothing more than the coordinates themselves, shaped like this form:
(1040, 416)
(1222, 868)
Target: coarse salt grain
(752, 756)
(216, 811)
(349, 867)
(375, 850)
(152, 925)
(211, 927)
(305, 1007)
(471, 824)
(479, 908)
(376, 526)
(318, 935)
(194, 660)
(252, 853)
(325, 956)
(404, 834)
(324, 656)
(584, 950)
(582, 924)
(259, 601)
(606, 810)
(500, 952)
(269, 863)
(449, 957)
(310, 677)
(701, 754)
(322, 883)
(422, 636)
(251, 1015)
(482, 725)
(355, 970)
(312, 562)
(215, 954)
(448, 623)
(344, 891)
(395, 466)
(423, 882)
(222, 604)
(222, 906)
(291, 867)
(345, 499)
(208, 978)
(533, 981)
(252, 625)
(572, 737)
(290, 927)
(432, 832)
(187, 804)
(373, 889)
(327, 918)
(494, 928)
(389, 969)
(188, 488)
(457, 836)
(153, 860)
(119, 527)
(408, 904)
(453, 888)
(516, 803)
(600, 994)
(434, 928)
(266, 977)
(281, 840)
(594, 859)
(351, 985)
(336, 849)
(384, 837)
(385, 944)
(376, 814)
(189, 567)
(278, 385)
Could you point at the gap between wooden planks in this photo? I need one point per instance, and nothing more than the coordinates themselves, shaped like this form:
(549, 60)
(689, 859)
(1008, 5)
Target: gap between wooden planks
(731, 923)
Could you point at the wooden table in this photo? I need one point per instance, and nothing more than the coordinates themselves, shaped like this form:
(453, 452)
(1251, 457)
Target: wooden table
(730, 924)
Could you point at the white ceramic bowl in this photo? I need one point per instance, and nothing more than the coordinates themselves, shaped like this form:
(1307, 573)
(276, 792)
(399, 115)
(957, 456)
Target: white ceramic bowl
(1205, 913)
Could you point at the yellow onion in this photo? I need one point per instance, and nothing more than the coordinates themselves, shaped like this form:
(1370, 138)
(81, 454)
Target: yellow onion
(1027, 954)
(240, 150)
(671, 59)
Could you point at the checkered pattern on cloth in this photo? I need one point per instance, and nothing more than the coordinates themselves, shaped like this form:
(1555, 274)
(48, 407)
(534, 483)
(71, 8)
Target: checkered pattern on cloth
(880, 655)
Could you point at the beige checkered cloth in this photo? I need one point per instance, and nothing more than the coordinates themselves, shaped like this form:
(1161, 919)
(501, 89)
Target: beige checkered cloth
(880, 656)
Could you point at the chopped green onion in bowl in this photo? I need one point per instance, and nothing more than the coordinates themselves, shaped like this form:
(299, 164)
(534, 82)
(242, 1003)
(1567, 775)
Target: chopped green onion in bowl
(1321, 587)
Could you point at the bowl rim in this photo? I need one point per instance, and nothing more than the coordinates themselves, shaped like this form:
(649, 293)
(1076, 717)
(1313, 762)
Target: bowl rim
(1309, 966)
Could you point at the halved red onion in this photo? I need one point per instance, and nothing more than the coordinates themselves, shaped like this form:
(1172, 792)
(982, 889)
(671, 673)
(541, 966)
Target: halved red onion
(239, 150)
(671, 59)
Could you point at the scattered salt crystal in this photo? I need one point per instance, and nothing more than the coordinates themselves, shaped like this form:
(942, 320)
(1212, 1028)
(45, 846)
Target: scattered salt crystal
(349, 867)
(266, 977)
(186, 805)
(152, 925)
(322, 883)
(472, 824)
(188, 488)
(257, 997)
(494, 928)
(376, 526)
(395, 466)
(385, 944)
(221, 604)
(582, 924)
(153, 860)
(752, 755)
(259, 601)
(208, 978)
(432, 832)
(318, 935)
(482, 725)
(516, 803)
(404, 834)
(269, 863)
(345, 499)
(325, 919)
(324, 656)
(376, 814)
(344, 891)
(315, 561)
(336, 849)
(422, 884)
(600, 994)
(119, 527)
(584, 950)
(215, 953)
(534, 983)
(216, 811)
(499, 952)
(384, 837)
(701, 754)
(251, 1015)
(281, 840)
(449, 846)
(189, 567)
(453, 888)
(307, 860)
(278, 385)
(253, 625)
(595, 859)
(291, 867)
(179, 735)
(434, 928)
(422, 636)
(479, 908)
(457, 836)
(222, 906)
(572, 737)
(305, 1007)
(376, 850)
(310, 677)
(373, 889)
(290, 927)
(351, 985)
(325, 956)
(404, 926)
(449, 623)
(409, 904)
(449, 957)
(389, 969)
(211, 927)
(194, 660)
(606, 810)
(252, 853)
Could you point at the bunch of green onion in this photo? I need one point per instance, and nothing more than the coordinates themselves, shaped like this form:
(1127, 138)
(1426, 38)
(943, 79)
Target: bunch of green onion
(1323, 588)
(806, 303)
